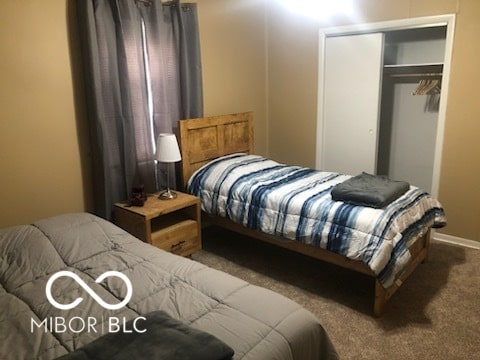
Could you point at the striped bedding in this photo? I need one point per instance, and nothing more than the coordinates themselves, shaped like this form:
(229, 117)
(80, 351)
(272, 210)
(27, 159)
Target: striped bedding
(295, 203)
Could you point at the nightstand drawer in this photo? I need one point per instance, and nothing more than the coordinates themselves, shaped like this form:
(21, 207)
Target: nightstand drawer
(179, 238)
(172, 225)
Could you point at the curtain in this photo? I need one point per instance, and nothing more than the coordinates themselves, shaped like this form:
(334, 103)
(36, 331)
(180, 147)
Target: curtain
(143, 74)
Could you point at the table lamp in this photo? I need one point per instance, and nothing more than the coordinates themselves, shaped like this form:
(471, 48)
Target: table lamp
(167, 152)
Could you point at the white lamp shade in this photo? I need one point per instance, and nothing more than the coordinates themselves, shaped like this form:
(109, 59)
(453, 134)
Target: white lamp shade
(167, 148)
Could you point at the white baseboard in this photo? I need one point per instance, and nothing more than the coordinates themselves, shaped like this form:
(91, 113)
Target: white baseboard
(456, 240)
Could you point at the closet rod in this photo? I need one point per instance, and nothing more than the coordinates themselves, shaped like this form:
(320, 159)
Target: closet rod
(417, 75)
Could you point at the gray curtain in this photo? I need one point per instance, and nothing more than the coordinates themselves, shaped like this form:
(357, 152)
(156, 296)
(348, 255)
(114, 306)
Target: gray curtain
(125, 43)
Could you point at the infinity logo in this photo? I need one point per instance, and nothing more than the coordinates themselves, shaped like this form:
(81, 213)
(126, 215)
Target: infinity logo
(98, 299)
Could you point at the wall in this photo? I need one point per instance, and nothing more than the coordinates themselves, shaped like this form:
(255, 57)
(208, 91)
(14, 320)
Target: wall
(292, 88)
(254, 57)
(42, 169)
(459, 190)
(232, 36)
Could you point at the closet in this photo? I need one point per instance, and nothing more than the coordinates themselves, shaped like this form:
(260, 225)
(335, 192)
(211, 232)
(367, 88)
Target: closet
(382, 99)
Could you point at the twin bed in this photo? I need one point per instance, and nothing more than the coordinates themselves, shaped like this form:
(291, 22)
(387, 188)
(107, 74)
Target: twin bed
(178, 308)
(293, 207)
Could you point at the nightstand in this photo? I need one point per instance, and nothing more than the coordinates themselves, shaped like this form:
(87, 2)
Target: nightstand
(172, 225)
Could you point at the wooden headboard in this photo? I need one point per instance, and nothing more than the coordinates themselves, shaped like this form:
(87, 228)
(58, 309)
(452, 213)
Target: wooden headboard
(205, 139)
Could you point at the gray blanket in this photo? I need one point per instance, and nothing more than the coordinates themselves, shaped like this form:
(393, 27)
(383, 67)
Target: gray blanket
(255, 322)
(164, 338)
(369, 190)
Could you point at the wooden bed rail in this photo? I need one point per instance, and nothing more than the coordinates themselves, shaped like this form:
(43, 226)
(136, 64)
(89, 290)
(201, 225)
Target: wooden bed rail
(419, 252)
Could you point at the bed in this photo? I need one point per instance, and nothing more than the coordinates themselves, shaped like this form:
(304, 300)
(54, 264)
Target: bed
(175, 308)
(385, 244)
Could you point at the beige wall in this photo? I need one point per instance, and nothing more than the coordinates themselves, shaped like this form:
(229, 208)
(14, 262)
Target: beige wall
(254, 57)
(40, 156)
(232, 36)
(459, 182)
(292, 89)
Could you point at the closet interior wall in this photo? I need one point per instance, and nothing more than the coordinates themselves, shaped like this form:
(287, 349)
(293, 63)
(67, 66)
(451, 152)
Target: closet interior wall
(408, 123)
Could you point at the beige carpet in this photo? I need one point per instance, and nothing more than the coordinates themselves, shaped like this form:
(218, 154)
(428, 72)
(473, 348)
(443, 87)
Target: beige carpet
(435, 315)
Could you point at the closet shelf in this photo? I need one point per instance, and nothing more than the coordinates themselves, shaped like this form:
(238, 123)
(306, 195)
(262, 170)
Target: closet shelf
(417, 70)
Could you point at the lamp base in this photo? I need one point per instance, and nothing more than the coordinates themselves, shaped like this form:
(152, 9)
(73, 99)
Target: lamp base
(167, 195)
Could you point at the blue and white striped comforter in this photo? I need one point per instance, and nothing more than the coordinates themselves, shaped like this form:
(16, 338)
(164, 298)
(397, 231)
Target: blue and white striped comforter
(295, 203)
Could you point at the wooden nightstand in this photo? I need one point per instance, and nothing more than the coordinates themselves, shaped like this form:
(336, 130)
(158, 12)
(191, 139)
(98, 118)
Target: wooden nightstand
(172, 225)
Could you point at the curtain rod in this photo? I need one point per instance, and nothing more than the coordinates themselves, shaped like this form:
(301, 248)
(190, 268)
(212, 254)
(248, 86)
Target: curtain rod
(183, 6)
(144, 2)
(149, 2)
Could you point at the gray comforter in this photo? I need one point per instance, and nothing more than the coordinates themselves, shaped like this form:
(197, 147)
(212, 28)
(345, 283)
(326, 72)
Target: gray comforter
(255, 322)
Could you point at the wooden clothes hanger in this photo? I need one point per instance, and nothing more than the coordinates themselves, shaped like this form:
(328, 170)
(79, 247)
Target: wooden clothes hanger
(427, 87)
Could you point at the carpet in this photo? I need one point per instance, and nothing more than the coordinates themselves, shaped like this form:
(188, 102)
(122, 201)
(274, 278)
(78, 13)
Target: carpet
(434, 315)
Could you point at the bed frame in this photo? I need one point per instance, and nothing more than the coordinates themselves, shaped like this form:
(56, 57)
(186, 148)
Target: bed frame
(204, 139)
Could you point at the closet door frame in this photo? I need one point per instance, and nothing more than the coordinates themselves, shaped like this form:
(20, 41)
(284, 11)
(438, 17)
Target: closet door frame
(447, 20)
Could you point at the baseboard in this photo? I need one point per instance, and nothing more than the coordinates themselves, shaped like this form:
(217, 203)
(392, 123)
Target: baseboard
(456, 240)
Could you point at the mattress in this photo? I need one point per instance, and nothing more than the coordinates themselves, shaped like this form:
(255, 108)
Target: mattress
(296, 204)
(45, 263)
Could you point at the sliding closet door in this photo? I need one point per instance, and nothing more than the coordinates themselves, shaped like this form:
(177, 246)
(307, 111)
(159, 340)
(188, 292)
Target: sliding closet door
(351, 97)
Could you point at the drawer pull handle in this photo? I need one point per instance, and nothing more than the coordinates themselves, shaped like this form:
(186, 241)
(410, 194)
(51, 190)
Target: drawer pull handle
(177, 246)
